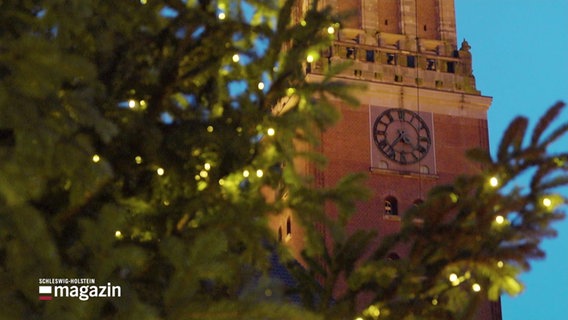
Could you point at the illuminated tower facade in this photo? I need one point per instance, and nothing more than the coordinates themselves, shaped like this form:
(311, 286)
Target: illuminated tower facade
(419, 113)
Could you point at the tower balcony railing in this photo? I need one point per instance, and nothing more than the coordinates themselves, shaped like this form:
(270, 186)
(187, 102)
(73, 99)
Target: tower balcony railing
(389, 64)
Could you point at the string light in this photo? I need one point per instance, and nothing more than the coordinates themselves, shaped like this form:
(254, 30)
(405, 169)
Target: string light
(160, 171)
(476, 287)
(246, 173)
(222, 16)
(261, 85)
(207, 166)
(131, 103)
(210, 129)
(118, 234)
(546, 202)
(494, 182)
(500, 264)
(96, 158)
(236, 58)
(138, 159)
(203, 174)
(330, 30)
(454, 279)
(259, 173)
(270, 131)
(499, 219)
(310, 58)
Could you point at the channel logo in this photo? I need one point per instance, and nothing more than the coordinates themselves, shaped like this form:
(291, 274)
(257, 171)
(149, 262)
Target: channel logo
(82, 289)
(45, 293)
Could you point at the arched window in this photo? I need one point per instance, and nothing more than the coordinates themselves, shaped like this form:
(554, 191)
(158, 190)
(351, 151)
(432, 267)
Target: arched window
(391, 206)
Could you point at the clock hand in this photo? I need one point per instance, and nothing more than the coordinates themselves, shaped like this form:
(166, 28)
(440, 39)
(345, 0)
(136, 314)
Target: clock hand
(400, 136)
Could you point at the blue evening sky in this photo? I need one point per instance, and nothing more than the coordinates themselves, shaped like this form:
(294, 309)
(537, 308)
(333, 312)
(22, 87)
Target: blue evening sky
(520, 58)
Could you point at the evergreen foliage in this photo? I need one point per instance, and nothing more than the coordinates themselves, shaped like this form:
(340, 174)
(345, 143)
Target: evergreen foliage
(139, 141)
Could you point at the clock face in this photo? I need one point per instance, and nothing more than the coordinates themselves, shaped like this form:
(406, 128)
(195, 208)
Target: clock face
(402, 136)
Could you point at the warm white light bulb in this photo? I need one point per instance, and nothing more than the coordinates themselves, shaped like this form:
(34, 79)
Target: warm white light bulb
(160, 171)
(331, 30)
(453, 277)
(310, 58)
(476, 287)
(260, 86)
(96, 158)
(499, 219)
(271, 131)
(494, 182)
(236, 58)
(222, 16)
(246, 173)
(259, 173)
(546, 202)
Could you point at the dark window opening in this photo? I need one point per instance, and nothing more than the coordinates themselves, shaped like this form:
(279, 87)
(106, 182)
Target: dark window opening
(431, 64)
(288, 228)
(391, 206)
(411, 61)
(386, 22)
(350, 53)
(390, 58)
(451, 67)
(279, 234)
(425, 28)
(370, 56)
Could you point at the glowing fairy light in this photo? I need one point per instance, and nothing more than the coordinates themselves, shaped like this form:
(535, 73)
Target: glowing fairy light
(138, 159)
(494, 182)
(131, 103)
(270, 131)
(476, 287)
(118, 234)
(330, 30)
(310, 58)
(160, 171)
(246, 173)
(261, 85)
(236, 58)
(222, 16)
(96, 158)
(499, 219)
(500, 264)
(207, 166)
(259, 173)
(546, 202)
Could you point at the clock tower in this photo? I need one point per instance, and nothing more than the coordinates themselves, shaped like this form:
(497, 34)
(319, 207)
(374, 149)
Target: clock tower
(419, 113)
